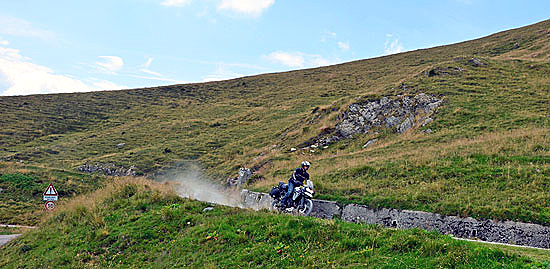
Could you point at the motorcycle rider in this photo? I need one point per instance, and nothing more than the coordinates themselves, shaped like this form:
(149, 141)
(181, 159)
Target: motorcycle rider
(297, 179)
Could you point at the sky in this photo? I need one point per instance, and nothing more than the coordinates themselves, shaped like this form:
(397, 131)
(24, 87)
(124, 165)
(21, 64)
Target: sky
(75, 45)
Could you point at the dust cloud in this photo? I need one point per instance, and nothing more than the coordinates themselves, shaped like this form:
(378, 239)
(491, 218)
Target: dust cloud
(190, 182)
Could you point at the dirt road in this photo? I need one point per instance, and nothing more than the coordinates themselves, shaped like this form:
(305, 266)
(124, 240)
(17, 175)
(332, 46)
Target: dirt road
(6, 238)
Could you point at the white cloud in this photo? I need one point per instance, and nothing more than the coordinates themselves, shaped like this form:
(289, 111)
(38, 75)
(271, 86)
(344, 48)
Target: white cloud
(318, 60)
(222, 72)
(393, 46)
(299, 59)
(110, 64)
(19, 76)
(4, 42)
(175, 3)
(156, 75)
(252, 8)
(343, 45)
(148, 63)
(151, 72)
(290, 59)
(105, 85)
(19, 27)
(174, 81)
(326, 35)
(145, 68)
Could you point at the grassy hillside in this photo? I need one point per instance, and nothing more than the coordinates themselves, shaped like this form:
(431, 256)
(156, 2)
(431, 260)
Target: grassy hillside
(487, 156)
(137, 224)
(22, 187)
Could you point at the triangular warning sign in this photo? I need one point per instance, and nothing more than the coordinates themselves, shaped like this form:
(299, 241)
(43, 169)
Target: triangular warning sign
(50, 191)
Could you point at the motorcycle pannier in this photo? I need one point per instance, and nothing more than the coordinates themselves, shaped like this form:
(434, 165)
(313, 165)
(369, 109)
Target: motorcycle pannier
(275, 193)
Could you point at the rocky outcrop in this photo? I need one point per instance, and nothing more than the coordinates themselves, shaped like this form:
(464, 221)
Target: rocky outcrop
(244, 175)
(108, 169)
(401, 114)
(518, 233)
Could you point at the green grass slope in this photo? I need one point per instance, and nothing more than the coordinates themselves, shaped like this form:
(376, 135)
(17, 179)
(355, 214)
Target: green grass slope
(22, 187)
(488, 155)
(138, 224)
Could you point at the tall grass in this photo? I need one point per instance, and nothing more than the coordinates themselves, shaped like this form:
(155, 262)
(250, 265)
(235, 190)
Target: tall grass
(136, 224)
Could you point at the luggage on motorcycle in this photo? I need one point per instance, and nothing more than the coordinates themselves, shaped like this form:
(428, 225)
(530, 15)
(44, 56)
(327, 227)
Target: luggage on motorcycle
(278, 190)
(283, 186)
(275, 192)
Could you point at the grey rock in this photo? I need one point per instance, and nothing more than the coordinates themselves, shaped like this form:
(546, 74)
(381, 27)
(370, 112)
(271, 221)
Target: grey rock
(502, 232)
(476, 62)
(399, 113)
(121, 145)
(370, 142)
(325, 209)
(244, 175)
(427, 121)
(405, 125)
(430, 108)
(391, 121)
(255, 200)
(208, 209)
(108, 169)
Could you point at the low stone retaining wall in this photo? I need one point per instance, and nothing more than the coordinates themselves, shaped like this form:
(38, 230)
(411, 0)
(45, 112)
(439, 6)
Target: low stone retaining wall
(509, 232)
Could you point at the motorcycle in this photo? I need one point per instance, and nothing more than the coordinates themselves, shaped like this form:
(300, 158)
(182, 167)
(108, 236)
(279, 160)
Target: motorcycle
(300, 199)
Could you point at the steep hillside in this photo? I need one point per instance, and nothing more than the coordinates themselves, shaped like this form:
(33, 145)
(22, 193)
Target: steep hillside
(137, 224)
(486, 153)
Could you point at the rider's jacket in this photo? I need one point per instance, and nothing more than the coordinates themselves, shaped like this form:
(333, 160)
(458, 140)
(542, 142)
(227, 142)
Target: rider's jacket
(299, 176)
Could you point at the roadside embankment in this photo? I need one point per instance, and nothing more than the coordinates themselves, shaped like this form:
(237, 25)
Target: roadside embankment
(510, 232)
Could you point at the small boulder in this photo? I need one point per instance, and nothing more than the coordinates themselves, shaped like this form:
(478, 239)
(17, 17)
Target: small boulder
(370, 142)
(244, 175)
(427, 121)
(405, 125)
(208, 209)
(476, 62)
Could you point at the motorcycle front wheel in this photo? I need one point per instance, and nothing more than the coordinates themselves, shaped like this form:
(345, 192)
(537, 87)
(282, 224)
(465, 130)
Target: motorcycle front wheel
(306, 208)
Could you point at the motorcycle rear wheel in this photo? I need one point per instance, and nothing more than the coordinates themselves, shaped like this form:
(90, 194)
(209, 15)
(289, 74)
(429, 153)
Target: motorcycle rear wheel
(274, 206)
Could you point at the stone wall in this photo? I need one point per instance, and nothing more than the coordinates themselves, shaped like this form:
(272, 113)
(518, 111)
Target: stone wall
(517, 233)
(510, 232)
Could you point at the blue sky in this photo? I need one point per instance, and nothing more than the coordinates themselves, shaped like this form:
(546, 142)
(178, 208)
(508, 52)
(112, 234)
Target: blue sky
(69, 45)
